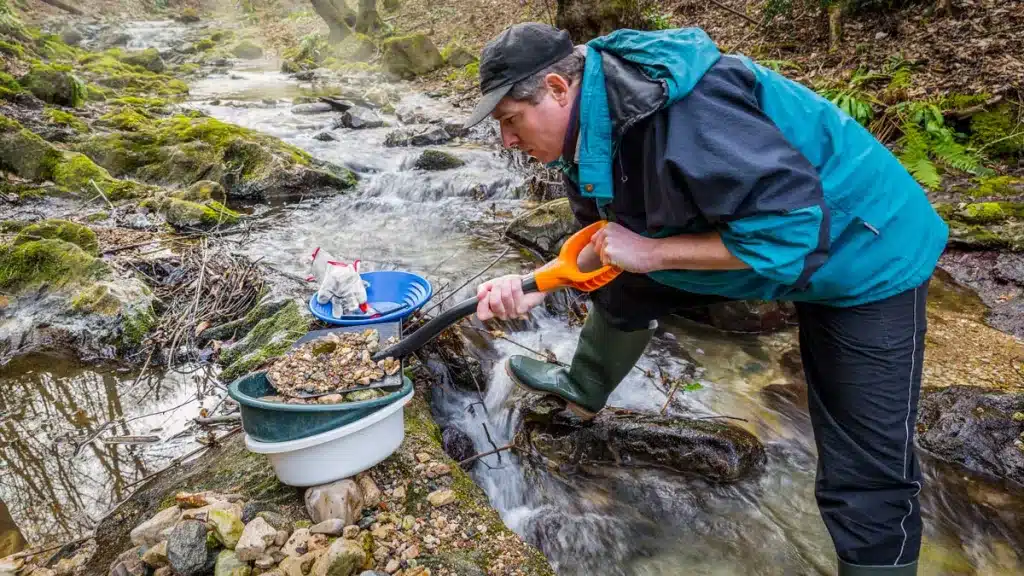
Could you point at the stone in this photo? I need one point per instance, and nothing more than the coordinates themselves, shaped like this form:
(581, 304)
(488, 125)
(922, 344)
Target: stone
(148, 533)
(342, 499)
(149, 59)
(437, 469)
(422, 136)
(350, 532)
(714, 450)
(297, 544)
(227, 526)
(156, 556)
(164, 571)
(436, 160)
(54, 86)
(246, 50)
(275, 519)
(255, 539)
(326, 137)
(71, 36)
(129, 563)
(343, 558)
(373, 573)
(186, 548)
(412, 55)
(545, 228)
(411, 552)
(229, 564)
(371, 493)
(399, 493)
(281, 538)
(203, 513)
(393, 566)
(951, 426)
(441, 497)
(457, 56)
(422, 457)
(317, 542)
(358, 118)
(1018, 416)
(383, 531)
(312, 108)
(408, 523)
(331, 527)
(366, 522)
(457, 444)
(265, 562)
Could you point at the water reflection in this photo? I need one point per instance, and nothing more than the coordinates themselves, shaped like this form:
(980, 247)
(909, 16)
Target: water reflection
(61, 424)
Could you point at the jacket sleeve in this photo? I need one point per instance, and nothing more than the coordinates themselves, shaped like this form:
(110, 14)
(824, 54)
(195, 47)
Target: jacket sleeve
(746, 179)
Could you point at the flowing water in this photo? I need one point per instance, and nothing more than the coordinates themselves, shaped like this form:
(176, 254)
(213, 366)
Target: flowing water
(447, 225)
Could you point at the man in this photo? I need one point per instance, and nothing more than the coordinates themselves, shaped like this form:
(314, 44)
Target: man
(724, 180)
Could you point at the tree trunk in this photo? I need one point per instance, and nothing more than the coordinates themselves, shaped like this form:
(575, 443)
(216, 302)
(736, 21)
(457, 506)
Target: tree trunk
(63, 6)
(338, 16)
(367, 22)
(835, 25)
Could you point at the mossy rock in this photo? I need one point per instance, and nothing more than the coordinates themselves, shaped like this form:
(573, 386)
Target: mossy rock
(545, 228)
(13, 50)
(999, 131)
(8, 86)
(188, 16)
(186, 214)
(247, 50)
(409, 56)
(357, 47)
(108, 69)
(62, 118)
(75, 172)
(438, 160)
(149, 59)
(126, 119)
(202, 191)
(457, 56)
(65, 230)
(54, 86)
(998, 186)
(52, 262)
(97, 299)
(24, 152)
(268, 339)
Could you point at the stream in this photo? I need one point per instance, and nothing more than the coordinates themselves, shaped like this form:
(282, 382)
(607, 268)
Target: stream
(445, 225)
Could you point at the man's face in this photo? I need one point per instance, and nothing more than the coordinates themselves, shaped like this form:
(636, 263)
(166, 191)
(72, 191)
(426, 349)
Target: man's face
(537, 129)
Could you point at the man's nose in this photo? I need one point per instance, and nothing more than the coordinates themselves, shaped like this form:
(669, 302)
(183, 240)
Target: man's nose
(509, 138)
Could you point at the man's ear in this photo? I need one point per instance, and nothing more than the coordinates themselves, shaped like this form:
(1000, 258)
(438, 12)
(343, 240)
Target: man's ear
(559, 88)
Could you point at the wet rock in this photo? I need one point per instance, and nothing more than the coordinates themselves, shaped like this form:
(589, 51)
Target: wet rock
(149, 59)
(457, 444)
(359, 118)
(331, 527)
(227, 526)
(425, 136)
(545, 228)
(247, 50)
(156, 556)
(410, 56)
(54, 86)
(974, 427)
(441, 497)
(113, 39)
(326, 137)
(138, 222)
(230, 564)
(148, 533)
(255, 539)
(71, 36)
(438, 160)
(129, 563)
(371, 493)
(709, 449)
(342, 499)
(343, 558)
(312, 108)
(186, 548)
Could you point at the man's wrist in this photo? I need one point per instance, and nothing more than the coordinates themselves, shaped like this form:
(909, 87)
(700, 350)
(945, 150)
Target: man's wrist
(661, 254)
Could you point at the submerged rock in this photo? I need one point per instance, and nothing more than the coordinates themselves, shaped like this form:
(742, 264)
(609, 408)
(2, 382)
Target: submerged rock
(312, 108)
(710, 449)
(457, 444)
(438, 160)
(974, 427)
(425, 136)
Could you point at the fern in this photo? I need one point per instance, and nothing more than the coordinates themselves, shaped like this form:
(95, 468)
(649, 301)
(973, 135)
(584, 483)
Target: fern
(915, 157)
(927, 139)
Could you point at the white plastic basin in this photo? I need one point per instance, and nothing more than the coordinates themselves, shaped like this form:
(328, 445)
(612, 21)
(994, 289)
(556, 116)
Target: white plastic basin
(339, 453)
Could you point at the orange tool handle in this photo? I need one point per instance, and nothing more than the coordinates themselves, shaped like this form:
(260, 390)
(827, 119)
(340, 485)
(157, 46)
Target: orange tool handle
(564, 271)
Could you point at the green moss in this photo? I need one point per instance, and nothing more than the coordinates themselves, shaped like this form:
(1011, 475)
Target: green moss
(54, 85)
(983, 213)
(999, 131)
(247, 50)
(96, 299)
(148, 59)
(65, 230)
(97, 217)
(135, 325)
(962, 101)
(95, 93)
(300, 524)
(186, 69)
(183, 213)
(205, 44)
(201, 191)
(222, 35)
(68, 119)
(999, 186)
(126, 119)
(53, 262)
(12, 50)
(268, 339)
(108, 69)
(11, 226)
(77, 173)
(25, 153)
(154, 104)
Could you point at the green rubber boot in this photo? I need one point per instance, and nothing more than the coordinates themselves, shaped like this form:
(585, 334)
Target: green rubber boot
(846, 569)
(603, 358)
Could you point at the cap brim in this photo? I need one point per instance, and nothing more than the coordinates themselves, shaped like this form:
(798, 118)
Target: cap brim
(486, 105)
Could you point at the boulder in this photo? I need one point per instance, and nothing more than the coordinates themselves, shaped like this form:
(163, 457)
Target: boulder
(438, 160)
(149, 59)
(71, 36)
(342, 499)
(409, 56)
(709, 449)
(371, 493)
(156, 556)
(343, 558)
(424, 136)
(257, 536)
(247, 50)
(456, 55)
(230, 564)
(227, 526)
(312, 108)
(54, 86)
(148, 533)
(457, 444)
(186, 548)
(981, 429)
(545, 228)
(359, 117)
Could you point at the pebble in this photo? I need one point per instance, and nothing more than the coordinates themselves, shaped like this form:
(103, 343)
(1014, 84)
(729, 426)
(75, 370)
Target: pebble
(351, 532)
(318, 542)
(1018, 416)
(366, 522)
(423, 457)
(411, 552)
(383, 531)
(156, 556)
(281, 538)
(400, 493)
(331, 527)
(371, 493)
(297, 544)
(441, 497)
(392, 566)
(255, 539)
(408, 523)
(437, 469)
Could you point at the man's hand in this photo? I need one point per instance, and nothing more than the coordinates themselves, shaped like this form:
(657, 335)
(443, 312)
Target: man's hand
(503, 298)
(621, 247)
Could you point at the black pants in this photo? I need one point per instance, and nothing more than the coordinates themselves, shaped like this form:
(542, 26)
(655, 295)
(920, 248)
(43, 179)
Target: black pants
(863, 371)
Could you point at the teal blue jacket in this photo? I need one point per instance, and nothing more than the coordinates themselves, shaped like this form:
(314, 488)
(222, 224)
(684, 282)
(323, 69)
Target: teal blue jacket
(676, 138)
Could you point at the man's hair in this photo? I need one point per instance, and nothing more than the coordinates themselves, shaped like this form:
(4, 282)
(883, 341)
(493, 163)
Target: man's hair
(532, 89)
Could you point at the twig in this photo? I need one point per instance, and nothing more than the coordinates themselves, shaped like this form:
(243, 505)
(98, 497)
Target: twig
(490, 440)
(524, 347)
(968, 112)
(219, 419)
(498, 451)
(30, 553)
(736, 12)
(478, 274)
(671, 394)
(726, 417)
(109, 203)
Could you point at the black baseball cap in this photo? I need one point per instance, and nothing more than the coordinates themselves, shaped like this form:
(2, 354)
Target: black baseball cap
(516, 54)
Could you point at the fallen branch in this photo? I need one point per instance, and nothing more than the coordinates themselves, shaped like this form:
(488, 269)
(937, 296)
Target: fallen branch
(968, 112)
(671, 394)
(472, 459)
(109, 203)
(218, 419)
(736, 12)
(63, 6)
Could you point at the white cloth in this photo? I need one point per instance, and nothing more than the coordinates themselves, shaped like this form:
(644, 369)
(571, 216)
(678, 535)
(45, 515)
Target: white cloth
(340, 284)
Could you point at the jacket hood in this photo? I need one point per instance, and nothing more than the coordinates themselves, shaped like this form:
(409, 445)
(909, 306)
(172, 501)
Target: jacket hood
(629, 75)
